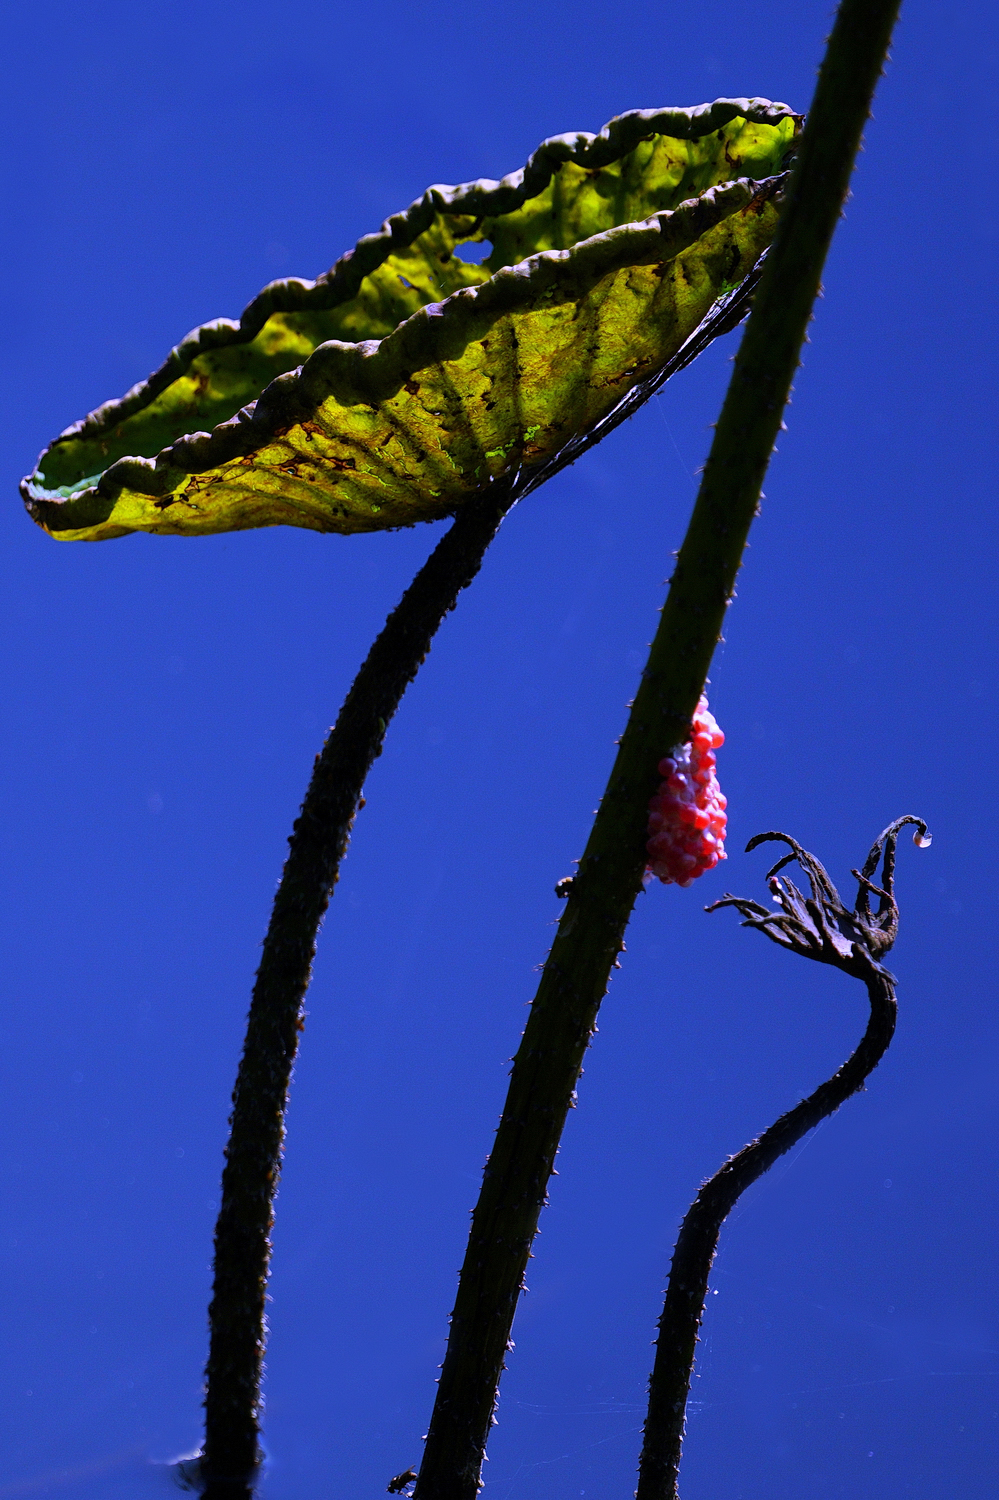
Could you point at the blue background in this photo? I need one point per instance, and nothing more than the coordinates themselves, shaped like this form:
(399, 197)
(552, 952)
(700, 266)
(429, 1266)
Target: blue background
(163, 700)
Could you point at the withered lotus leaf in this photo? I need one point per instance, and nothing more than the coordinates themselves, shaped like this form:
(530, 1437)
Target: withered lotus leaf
(390, 389)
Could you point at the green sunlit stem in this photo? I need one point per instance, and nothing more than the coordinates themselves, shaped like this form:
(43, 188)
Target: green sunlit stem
(602, 894)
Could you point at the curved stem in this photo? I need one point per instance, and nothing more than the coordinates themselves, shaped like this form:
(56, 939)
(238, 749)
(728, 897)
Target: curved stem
(695, 1248)
(601, 896)
(317, 845)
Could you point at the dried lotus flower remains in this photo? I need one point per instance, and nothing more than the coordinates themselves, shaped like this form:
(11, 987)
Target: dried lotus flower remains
(819, 925)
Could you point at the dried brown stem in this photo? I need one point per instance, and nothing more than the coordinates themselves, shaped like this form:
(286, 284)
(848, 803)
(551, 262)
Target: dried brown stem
(695, 1247)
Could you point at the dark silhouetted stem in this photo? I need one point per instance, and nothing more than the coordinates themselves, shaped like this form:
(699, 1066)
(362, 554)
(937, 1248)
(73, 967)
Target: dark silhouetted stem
(317, 845)
(602, 894)
(695, 1247)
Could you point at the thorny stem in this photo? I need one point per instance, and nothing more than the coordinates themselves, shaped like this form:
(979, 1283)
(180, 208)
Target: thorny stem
(816, 925)
(695, 1247)
(601, 896)
(317, 845)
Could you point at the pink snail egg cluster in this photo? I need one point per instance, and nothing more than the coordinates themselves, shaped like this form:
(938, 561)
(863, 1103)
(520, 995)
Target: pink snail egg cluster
(687, 815)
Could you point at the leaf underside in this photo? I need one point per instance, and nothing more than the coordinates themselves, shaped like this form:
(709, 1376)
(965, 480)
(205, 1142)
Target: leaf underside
(392, 388)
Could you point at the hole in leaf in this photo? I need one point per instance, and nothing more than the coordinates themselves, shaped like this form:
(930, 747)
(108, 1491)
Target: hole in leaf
(474, 252)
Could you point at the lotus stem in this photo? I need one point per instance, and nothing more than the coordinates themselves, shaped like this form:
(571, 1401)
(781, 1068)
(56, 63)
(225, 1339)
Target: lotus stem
(317, 846)
(695, 1248)
(601, 896)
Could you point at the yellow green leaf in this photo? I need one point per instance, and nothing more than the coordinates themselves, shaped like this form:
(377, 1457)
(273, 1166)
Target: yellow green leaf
(389, 390)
